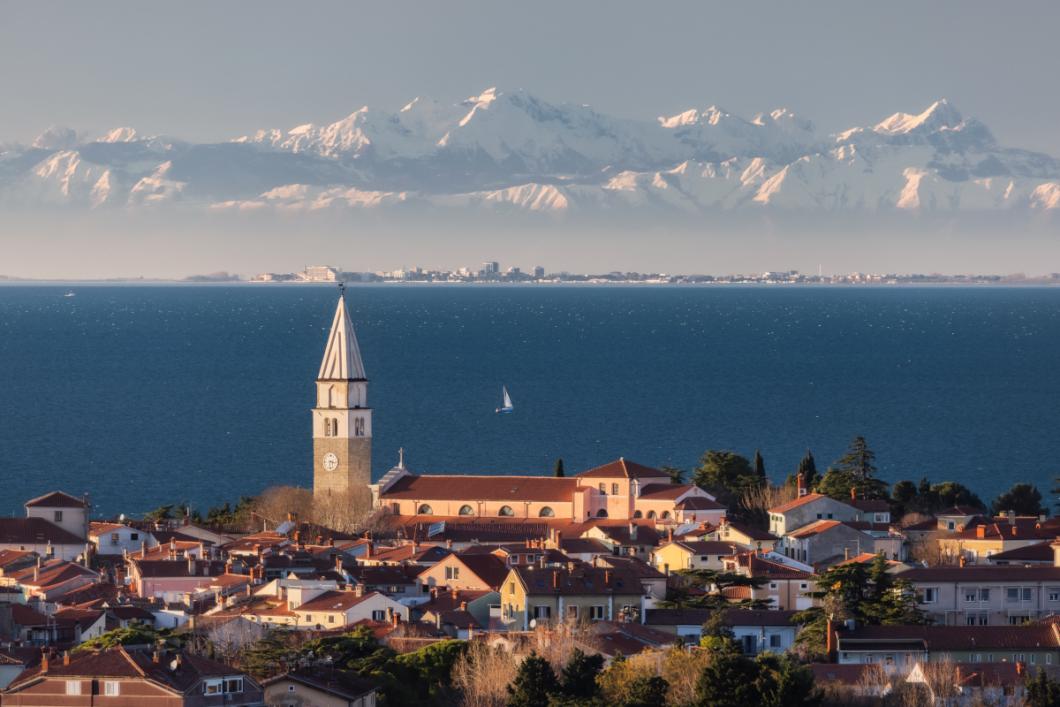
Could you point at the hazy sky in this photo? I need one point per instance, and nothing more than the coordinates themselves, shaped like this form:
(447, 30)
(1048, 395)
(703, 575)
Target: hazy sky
(211, 70)
(214, 70)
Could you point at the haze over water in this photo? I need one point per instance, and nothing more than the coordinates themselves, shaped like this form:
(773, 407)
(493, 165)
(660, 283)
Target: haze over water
(159, 394)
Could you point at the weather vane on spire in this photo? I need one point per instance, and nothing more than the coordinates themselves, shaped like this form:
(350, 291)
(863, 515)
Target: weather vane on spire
(342, 289)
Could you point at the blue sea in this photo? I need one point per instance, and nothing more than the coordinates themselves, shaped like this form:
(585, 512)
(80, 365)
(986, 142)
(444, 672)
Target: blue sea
(143, 395)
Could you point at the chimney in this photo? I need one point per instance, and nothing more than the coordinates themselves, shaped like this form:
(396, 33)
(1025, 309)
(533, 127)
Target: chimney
(44, 660)
(799, 485)
(980, 530)
(358, 589)
(1011, 515)
(156, 657)
(670, 535)
(963, 561)
(395, 617)
(338, 563)
(829, 641)
(449, 544)
(853, 493)
(1015, 531)
(66, 657)
(632, 530)
(607, 577)
(1019, 667)
(143, 548)
(191, 565)
(555, 580)
(202, 549)
(541, 561)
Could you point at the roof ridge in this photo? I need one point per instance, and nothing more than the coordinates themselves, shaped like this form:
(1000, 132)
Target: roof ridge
(132, 661)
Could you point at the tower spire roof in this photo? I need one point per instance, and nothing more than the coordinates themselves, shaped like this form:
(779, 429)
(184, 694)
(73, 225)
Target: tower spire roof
(342, 357)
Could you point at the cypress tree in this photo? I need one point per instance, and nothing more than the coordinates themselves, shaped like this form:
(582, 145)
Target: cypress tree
(760, 465)
(559, 469)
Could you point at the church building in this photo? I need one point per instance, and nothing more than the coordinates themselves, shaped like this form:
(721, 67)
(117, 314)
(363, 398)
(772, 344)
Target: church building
(342, 451)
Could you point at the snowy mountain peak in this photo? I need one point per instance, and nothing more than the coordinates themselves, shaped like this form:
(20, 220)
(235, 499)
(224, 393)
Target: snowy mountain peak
(939, 114)
(123, 134)
(56, 138)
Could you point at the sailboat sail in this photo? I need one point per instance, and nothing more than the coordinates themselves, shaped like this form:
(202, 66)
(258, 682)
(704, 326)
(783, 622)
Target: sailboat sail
(507, 406)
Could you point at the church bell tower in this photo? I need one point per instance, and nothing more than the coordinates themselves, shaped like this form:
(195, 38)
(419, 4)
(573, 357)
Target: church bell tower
(342, 420)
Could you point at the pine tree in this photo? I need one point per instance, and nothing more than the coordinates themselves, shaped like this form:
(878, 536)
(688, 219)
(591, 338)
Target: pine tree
(578, 677)
(559, 469)
(533, 684)
(858, 461)
(1042, 691)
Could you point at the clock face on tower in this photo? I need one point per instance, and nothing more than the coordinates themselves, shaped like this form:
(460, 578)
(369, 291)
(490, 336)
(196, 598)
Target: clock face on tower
(330, 461)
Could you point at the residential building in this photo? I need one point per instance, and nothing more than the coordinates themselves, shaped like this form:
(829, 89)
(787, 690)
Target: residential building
(578, 592)
(692, 555)
(35, 534)
(785, 587)
(756, 631)
(746, 536)
(115, 539)
(985, 595)
(825, 542)
(904, 646)
(68, 512)
(802, 511)
(982, 538)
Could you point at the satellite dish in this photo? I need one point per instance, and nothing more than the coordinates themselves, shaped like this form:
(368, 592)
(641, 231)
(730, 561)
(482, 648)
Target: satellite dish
(533, 623)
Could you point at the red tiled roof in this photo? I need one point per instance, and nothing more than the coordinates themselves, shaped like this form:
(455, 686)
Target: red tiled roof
(56, 499)
(340, 683)
(1039, 552)
(795, 503)
(51, 573)
(633, 565)
(759, 567)
(847, 674)
(815, 528)
(950, 638)
(983, 573)
(489, 568)
(35, 531)
(581, 580)
(336, 601)
(622, 469)
(699, 503)
(663, 492)
(750, 531)
(871, 505)
(421, 487)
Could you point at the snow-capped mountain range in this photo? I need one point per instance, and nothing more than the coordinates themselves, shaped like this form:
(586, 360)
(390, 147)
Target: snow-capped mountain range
(511, 150)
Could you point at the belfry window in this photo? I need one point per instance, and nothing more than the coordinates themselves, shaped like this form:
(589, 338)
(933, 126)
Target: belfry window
(327, 427)
(358, 427)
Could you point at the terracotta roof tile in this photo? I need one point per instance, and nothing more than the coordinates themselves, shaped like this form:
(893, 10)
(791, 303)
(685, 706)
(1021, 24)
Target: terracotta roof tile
(35, 531)
(623, 469)
(56, 499)
(426, 488)
(795, 503)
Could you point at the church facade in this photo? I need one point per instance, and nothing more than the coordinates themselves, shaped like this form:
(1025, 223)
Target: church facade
(342, 451)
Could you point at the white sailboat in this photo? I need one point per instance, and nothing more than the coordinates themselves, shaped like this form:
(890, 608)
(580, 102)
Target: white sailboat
(507, 406)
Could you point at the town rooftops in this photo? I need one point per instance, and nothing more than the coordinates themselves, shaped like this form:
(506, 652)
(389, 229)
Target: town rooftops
(51, 573)
(622, 469)
(758, 566)
(797, 502)
(35, 531)
(424, 487)
(179, 568)
(983, 573)
(56, 499)
(409, 552)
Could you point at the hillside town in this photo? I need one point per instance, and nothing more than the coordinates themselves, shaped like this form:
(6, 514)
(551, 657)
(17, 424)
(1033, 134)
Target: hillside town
(621, 584)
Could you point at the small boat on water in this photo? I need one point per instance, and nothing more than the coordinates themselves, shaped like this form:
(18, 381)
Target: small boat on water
(70, 293)
(507, 406)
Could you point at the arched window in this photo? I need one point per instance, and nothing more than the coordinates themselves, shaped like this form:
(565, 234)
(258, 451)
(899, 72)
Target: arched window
(602, 513)
(425, 510)
(665, 515)
(506, 511)
(327, 427)
(466, 510)
(546, 512)
(358, 427)
(651, 514)
(638, 514)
